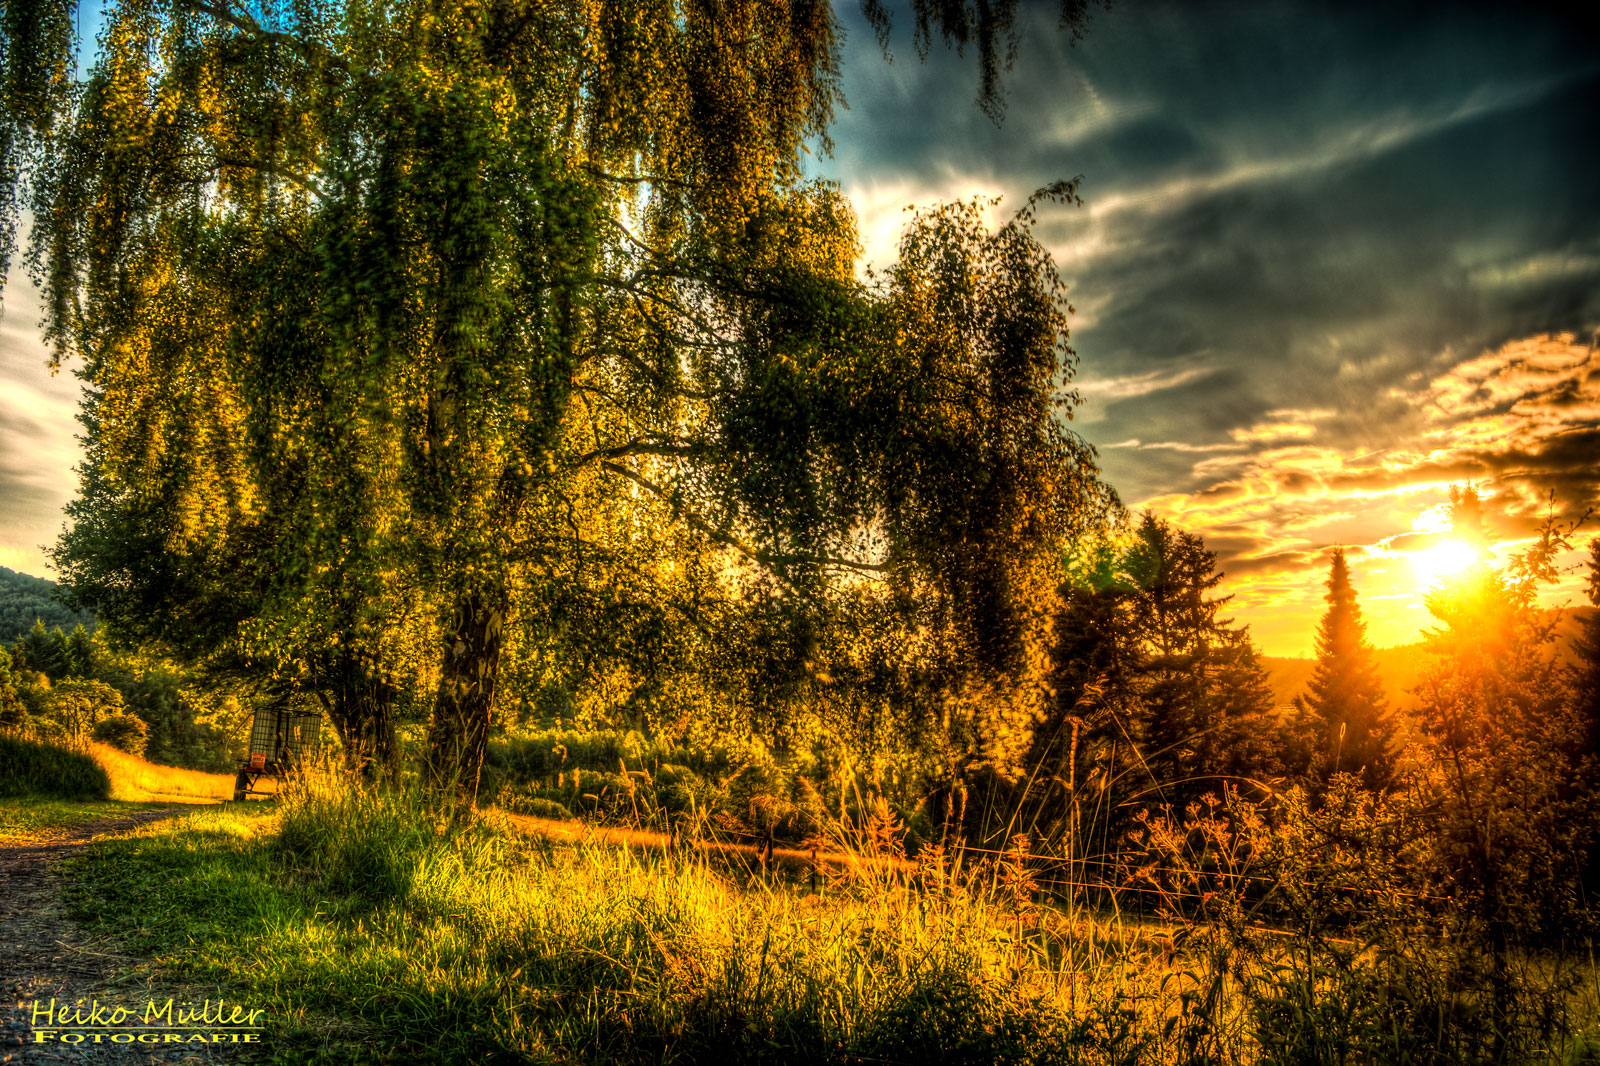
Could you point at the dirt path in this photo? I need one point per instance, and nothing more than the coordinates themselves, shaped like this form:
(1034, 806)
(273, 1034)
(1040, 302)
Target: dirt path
(792, 861)
(44, 956)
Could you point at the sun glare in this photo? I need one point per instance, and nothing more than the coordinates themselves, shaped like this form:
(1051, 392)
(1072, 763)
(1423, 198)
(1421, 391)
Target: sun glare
(1445, 559)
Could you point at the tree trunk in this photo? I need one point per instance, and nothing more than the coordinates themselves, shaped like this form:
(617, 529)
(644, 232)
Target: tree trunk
(459, 732)
(371, 714)
(363, 715)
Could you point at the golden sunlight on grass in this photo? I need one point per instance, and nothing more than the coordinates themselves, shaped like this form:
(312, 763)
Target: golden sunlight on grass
(134, 779)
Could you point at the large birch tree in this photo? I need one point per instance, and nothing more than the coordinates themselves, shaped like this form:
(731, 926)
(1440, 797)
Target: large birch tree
(395, 317)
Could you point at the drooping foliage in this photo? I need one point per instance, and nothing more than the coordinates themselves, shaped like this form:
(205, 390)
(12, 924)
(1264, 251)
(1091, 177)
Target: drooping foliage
(416, 331)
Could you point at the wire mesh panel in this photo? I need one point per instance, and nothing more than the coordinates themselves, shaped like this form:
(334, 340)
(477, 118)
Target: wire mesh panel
(301, 733)
(264, 735)
(279, 736)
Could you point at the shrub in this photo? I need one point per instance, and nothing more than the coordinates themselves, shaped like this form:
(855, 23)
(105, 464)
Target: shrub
(76, 704)
(679, 790)
(1305, 929)
(125, 732)
(520, 802)
(28, 768)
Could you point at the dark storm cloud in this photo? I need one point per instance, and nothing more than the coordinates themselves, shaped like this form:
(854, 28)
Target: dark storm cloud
(1314, 290)
(1313, 204)
(1329, 260)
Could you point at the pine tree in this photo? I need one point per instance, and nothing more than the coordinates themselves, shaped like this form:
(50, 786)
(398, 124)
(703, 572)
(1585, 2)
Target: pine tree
(1193, 690)
(1205, 696)
(44, 651)
(82, 656)
(1157, 700)
(1510, 833)
(1346, 699)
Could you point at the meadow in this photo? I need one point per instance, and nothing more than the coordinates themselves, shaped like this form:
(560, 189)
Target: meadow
(686, 616)
(373, 929)
(50, 789)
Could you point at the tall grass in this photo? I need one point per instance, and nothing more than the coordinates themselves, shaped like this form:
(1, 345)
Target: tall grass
(481, 945)
(733, 791)
(132, 778)
(31, 768)
(460, 940)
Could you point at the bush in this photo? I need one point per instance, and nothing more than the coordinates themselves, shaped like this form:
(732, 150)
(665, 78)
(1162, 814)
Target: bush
(679, 790)
(537, 806)
(1312, 919)
(551, 752)
(28, 768)
(125, 732)
(76, 703)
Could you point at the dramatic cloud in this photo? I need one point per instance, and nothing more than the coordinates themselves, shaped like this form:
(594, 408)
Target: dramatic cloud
(1521, 422)
(38, 446)
(1315, 244)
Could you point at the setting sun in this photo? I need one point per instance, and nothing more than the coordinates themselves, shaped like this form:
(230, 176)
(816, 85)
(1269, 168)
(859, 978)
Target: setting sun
(1445, 559)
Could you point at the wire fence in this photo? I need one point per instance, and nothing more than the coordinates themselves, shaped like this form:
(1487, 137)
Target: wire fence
(1106, 885)
(1161, 885)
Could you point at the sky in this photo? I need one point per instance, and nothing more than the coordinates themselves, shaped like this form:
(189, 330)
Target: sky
(1331, 260)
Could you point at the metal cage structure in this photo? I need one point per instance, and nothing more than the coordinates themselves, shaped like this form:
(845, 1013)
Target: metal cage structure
(280, 739)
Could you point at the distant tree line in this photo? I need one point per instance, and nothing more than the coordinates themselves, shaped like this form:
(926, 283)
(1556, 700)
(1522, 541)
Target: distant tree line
(73, 687)
(25, 600)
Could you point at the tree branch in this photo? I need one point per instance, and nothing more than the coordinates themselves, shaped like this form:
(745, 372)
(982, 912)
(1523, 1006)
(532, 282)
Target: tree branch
(666, 446)
(764, 559)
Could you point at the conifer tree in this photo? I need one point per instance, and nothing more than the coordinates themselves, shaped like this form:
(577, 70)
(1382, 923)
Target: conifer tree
(82, 655)
(1171, 699)
(44, 651)
(1205, 695)
(1346, 698)
(1510, 833)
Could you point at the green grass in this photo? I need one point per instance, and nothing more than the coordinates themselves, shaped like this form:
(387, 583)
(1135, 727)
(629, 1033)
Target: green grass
(475, 945)
(371, 930)
(29, 768)
(35, 818)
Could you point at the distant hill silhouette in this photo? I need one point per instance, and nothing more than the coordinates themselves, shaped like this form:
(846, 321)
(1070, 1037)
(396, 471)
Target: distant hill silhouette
(24, 599)
(1400, 667)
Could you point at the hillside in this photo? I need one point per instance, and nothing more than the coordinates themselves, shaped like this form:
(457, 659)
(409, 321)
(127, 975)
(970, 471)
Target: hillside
(1401, 667)
(23, 599)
